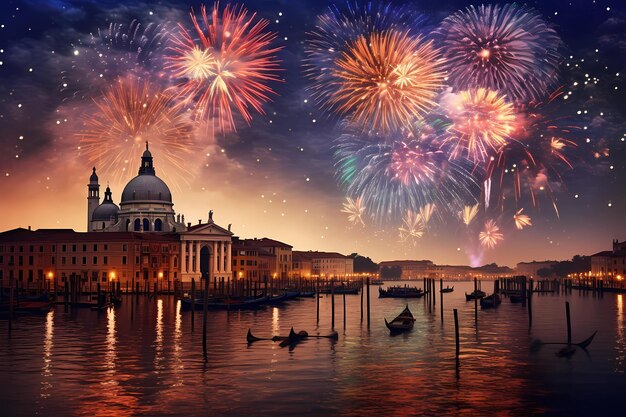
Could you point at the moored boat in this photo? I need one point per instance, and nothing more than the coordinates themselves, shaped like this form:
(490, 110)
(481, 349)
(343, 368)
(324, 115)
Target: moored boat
(447, 289)
(233, 304)
(475, 295)
(490, 302)
(400, 292)
(402, 323)
(377, 282)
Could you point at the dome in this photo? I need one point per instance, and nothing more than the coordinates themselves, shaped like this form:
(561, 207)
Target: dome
(146, 188)
(105, 211)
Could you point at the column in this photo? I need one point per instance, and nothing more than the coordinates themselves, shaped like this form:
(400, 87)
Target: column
(188, 261)
(214, 267)
(181, 261)
(229, 258)
(220, 257)
(197, 257)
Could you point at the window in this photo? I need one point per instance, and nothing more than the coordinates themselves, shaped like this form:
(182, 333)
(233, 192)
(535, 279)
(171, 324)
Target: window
(124, 247)
(30, 275)
(40, 248)
(20, 260)
(158, 225)
(84, 260)
(137, 259)
(123, 260)
(73, 248)
(63, 248)
(146, 225)
(106, 247)
(95, 248)
(105, 260)
(62, 260)
(73, 260)
(21, 248)
(1, 259)
(95, 260)
(137, 225)
(31, 248)
(30, 260)
(242, 262)
(84, 248)
(52, 260)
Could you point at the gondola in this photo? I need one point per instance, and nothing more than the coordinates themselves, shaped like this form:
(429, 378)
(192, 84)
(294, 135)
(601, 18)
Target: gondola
(400, 292)
(28, 304)
(447, 289)
(342, 290)
(307, 294)
(377, 282)
(490, 302)
(198, 304)
(476, 295)
(402, 323)
(282, 298)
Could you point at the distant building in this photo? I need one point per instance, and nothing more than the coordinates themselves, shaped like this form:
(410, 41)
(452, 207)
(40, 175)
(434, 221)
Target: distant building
(302, 265)
(281, 251)
(531, 269)
(410, 269)
(328, 264)
(611, 263)
(251, 261)
(416, 270)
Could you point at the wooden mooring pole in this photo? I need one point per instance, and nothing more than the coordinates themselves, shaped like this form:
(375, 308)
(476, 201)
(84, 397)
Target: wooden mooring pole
(205, 307)
(362, 295)
(569, 323)
(332, 303)
(193, 301)
(317, 299)
(368, 302)
(456, 336)
(475, 302)
(441, 295)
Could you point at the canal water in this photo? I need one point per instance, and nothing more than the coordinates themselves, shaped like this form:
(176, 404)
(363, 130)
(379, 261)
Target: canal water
(146, 359)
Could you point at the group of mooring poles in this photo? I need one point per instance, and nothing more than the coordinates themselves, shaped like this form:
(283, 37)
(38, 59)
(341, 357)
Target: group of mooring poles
(365, 292)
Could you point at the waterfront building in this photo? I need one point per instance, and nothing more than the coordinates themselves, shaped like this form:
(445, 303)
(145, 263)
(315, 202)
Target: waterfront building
(283, 254)
(143, 240)
(409, 269)
(531, 269)
(251, 261)
(416, 270)
(328, 264)
(302, 265)
(610, 264)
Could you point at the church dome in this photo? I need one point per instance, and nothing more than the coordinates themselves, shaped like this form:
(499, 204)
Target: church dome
(146, 187)
(107, 209)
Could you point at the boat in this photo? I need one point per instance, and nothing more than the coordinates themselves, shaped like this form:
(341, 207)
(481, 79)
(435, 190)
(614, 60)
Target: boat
(232, 304)
(279, 299)
(250, 338)
(402, 323)
(447, 289)
(377, 282)
(516, 297)
(491, 301)
(476, 295)
(307, 294)
(341, 289)
(400, 292)
(28, 304)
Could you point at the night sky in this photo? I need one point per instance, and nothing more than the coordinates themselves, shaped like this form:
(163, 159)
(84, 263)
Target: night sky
(276, 176)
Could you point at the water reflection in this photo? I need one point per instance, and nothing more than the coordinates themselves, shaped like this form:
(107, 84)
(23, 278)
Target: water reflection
(48, 344)
(110, 353)
(620, 343)
(177, 364)
(158, 342)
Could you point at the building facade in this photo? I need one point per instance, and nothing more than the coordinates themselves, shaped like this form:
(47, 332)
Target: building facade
(610, 264)
(142, 240)
(531, 269)
(327, 264)
(251, 262)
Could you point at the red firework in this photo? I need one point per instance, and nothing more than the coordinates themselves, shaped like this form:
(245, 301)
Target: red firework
(226, 66)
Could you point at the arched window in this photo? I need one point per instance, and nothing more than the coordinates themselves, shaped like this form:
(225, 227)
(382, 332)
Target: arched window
(175, 262)
(103, 225)
(158, 225)
(137, 225)
(127, 225)
(146, 225)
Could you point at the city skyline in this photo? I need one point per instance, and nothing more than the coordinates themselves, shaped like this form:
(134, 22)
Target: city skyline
(276, 177)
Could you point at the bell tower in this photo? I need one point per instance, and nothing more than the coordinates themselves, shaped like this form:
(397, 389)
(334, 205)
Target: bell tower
(93, 198)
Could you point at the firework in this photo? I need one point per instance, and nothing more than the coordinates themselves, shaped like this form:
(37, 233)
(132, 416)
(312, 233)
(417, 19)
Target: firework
(224, 64)
(354, 209)
(118, 50)
(504, 48)
(337, 30)
(468, 214)
(536, 153)
(384, 80)
(482, 121)
(521, 220)
(367, 166)
(130, 112)
(412, 227)
(426, 212)
(490, 236)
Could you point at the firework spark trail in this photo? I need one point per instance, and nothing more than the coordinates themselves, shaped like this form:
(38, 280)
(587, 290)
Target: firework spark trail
(490, 236)
(130, 112)
(384, 80)
(365, 167)
(521, 220)
(354, 209)
(426, 212)
(412, 227)
(536, 153)
(468, 214)
(482, 121)
(504, 48)
(228, 67)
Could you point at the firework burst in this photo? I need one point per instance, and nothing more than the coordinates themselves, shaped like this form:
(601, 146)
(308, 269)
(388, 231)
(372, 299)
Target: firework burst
(369, 166)
(504, 48)
(426, 212)
(224, 64)
(130, 112)
(412, 227)
(482, 121)
(490, 236)
(536, 153)
(384, 80)
(354, 209)
(521, 220)
(468, 214)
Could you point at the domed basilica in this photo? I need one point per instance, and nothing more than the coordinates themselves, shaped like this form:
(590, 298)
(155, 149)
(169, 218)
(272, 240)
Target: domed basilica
(146, 204)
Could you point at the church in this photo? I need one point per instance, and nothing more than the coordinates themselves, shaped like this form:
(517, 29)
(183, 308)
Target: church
(141, 240)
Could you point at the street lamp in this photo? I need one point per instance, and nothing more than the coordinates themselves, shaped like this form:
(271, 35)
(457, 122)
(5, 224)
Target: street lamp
(50, 278)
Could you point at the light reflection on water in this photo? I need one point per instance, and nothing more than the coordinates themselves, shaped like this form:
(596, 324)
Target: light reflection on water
(150, 362)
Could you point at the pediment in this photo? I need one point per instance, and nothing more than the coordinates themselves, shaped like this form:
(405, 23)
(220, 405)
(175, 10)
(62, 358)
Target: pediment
(208, 229)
